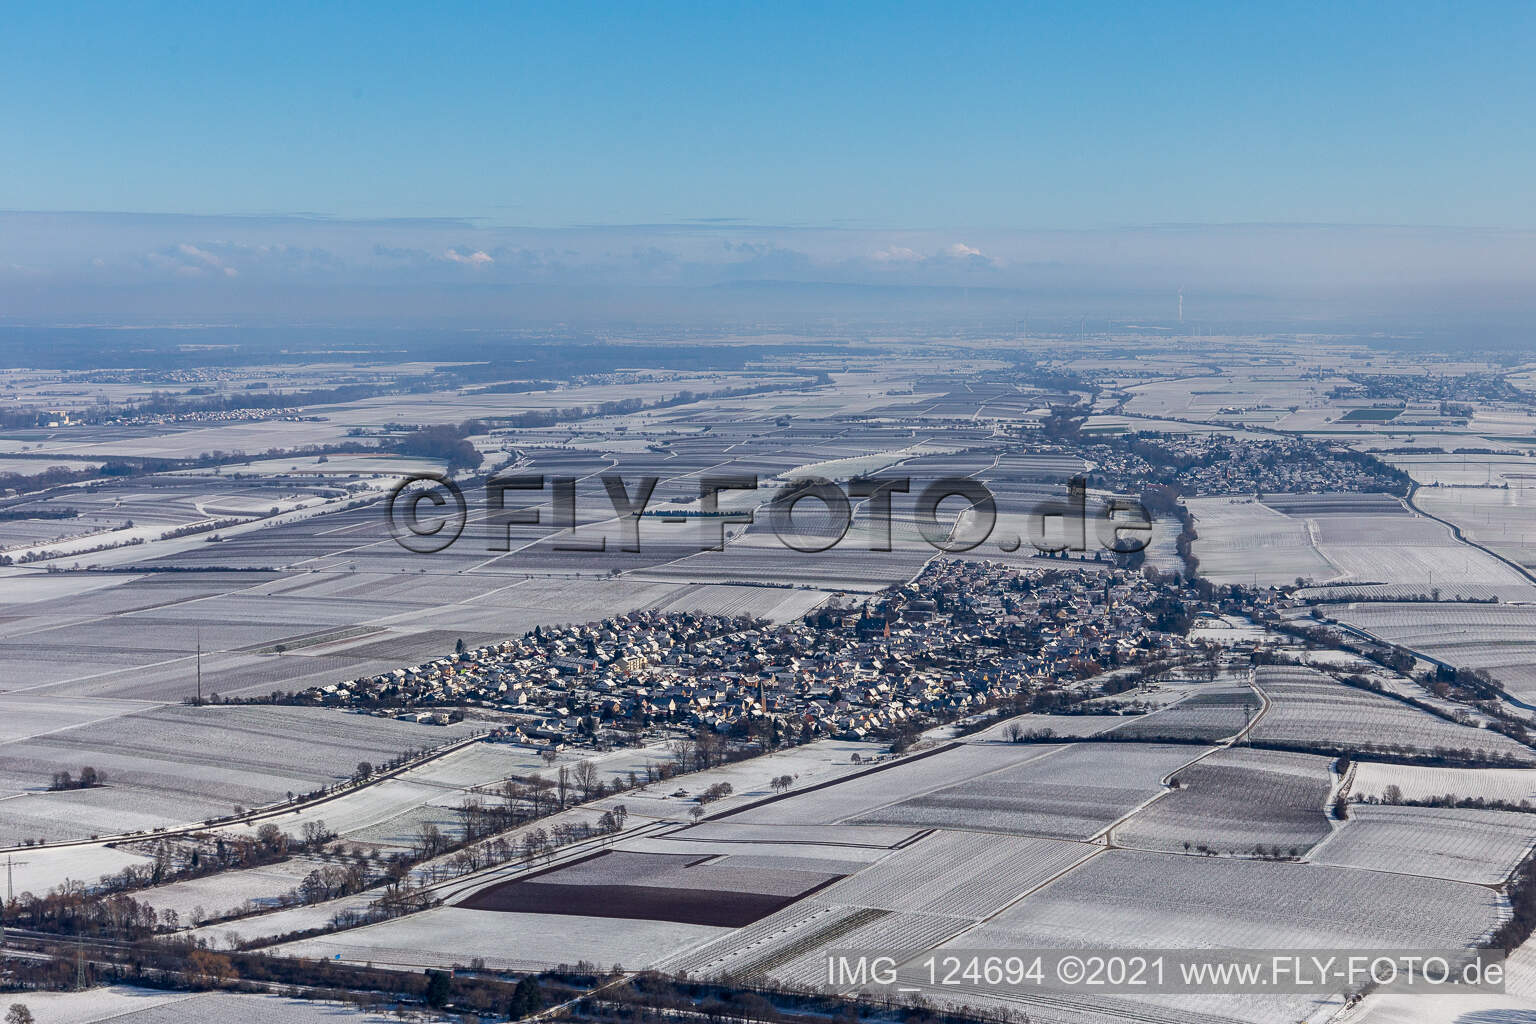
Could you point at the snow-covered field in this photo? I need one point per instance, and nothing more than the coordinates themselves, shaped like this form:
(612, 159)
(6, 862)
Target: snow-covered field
(965, 874)
(775, 604)
(1310, 707)
(229, 890)
(872, 790)
(1439, 842)
(1241, 540)
(1212, 712)
(734, 830)
(1503, 519)
(1054, 725)
(1422, 782)
(280, 922)
(173, 764)
(1498, 637)
(901, 905)
(1404, 548)
(808, 765)
(123, 1005)
(507, 941)
(37, 871)
(1246, 542)
(1516, 1005)
(1236, 800)
(28, 715)
(1073, 793)
(1127, 899)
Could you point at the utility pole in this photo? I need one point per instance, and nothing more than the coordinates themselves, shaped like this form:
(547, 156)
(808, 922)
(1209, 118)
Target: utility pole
(10, 877)
(10, 892)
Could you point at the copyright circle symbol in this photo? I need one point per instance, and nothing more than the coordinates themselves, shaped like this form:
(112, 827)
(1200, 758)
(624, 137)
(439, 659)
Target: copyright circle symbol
(1071, 970)
(425, 532)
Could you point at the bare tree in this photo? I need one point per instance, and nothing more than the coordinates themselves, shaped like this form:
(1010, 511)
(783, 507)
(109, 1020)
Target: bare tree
(709, 749)
(316, 834)
(538, 792)
(272, 838)
(683, 753)
(429, 840)
(471, 814)
(585, 776)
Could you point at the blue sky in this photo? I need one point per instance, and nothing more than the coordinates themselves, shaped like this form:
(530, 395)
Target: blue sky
(851, 114)
(199, 161)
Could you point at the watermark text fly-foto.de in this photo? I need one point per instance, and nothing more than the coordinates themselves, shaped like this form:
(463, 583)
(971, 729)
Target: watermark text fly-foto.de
(428, 513)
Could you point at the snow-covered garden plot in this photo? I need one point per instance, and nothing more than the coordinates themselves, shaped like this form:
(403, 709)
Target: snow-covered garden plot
(1236, 800)
(1243, 541)
(1441, 842)
(1072, 794)
(965, 874)
(854, 797)
(1498, 637)
(1422, 782)
(446, 936)
(1312, 709)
